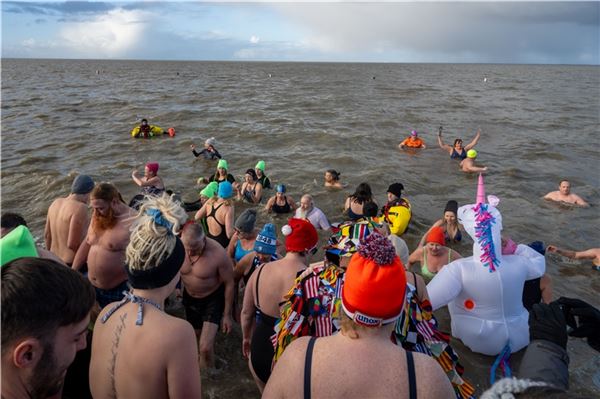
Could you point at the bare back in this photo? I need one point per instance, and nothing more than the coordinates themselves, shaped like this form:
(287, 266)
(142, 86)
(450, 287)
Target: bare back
(200, 274)
(275, 281)
(106, 257)
(67, 223)
(123, 367)
(356, 368)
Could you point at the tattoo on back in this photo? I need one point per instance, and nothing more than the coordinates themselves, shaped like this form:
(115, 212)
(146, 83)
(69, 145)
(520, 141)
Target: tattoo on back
(114, 350)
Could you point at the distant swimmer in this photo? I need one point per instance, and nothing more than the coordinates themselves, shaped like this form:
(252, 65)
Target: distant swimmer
(332, 178)
(565, 195)
(592, 254)
(457, 151)
(209, 151)
(146, 131)
(413, 141)
(468, 164)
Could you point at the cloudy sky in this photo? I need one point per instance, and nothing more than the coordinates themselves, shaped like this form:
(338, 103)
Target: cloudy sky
(472, 32)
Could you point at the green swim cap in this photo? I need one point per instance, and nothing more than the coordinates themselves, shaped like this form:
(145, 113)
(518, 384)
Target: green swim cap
(17, 244)
(260, 165)
(223, 164)
(210, 190)
(471, 154)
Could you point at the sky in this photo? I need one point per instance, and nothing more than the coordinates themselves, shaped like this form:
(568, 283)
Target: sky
(424, 31)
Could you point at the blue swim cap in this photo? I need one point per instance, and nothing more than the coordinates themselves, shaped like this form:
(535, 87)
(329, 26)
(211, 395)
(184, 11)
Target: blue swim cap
(281, 188)
(225, 190)
(266, 240)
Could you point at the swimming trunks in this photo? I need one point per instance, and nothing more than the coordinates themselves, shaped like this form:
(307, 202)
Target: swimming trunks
(456, 155)
(240, 252)
(425, 271)
(210, 308)
(412, 382)
(104, 297)
(279, 209)
(532, 293)
(221, 238)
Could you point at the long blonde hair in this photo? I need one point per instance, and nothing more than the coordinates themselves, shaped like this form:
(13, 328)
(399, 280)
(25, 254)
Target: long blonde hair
(153, 233)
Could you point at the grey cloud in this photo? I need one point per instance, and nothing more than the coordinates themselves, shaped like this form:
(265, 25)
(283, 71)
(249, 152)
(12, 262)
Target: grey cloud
(453, 32)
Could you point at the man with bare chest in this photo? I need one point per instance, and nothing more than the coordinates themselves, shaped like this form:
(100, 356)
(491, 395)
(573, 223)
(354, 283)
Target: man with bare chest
(68, 220)
(104, 246)
(207, 275)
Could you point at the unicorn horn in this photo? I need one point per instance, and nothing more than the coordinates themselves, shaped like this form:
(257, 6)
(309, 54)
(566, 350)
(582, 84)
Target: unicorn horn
(480, 191)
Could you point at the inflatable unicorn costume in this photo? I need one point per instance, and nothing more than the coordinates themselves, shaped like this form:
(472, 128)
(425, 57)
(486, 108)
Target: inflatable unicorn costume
(484, 292)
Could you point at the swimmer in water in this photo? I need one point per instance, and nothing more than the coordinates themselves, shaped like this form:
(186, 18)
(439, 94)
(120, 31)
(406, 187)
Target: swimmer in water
(413, 141)
(457, 151)
(592, 254)
(565, 195)
(332, 178)
(468, 164)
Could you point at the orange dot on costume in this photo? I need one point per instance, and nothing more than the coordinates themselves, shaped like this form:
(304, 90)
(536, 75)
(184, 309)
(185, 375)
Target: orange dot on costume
(469, 304)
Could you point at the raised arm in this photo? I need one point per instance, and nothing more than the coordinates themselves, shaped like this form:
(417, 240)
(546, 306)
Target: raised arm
(202, 212)
(474, 141)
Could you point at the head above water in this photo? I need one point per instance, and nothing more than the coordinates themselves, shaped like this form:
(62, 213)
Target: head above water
(332, 175)
(564, 187)
(83, 184)
(458, 143)
(414, 133)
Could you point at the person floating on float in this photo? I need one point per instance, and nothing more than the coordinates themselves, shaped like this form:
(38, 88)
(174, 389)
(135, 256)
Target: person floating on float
(146, 131)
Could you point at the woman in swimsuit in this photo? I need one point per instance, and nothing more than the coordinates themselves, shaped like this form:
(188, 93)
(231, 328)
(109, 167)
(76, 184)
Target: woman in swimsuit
(434, 255)
(280, 203)
(264, 293)
(242, 241)
(332, 178)
(150, 183)
(251, 190)
(355, 202)
(218, 214)
(449, 224)
(220, 175)
(457, 151)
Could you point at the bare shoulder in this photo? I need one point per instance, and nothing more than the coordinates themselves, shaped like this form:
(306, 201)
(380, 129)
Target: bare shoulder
(432, 382)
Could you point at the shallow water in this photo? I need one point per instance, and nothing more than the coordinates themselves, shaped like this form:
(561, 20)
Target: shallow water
(539, 124)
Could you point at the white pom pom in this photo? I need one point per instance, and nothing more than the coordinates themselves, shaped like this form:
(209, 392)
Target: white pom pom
(286, 230)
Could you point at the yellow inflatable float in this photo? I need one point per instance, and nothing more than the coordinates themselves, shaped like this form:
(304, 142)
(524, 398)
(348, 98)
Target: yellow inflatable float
(146, 131)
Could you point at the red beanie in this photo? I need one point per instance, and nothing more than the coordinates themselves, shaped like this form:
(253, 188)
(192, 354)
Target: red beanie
(152, 167)
(436, 234)
(375, 283)
(300, 235)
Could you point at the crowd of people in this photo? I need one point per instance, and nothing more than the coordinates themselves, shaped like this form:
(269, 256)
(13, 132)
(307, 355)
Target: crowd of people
(364, 311)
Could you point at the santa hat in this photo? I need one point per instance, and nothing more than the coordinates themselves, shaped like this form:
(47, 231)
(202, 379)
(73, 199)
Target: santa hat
(375, 283)
(300, 235)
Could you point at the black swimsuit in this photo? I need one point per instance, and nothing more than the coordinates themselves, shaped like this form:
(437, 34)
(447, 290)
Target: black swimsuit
(221, 238)
(282, 208)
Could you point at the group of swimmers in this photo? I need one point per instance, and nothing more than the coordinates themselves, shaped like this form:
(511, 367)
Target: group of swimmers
(209, 262)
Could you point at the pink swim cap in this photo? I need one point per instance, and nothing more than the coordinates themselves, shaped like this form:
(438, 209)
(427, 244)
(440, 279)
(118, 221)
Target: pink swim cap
(152, 167)
(413, 133)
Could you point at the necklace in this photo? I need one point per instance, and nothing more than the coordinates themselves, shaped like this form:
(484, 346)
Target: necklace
(199, 255)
